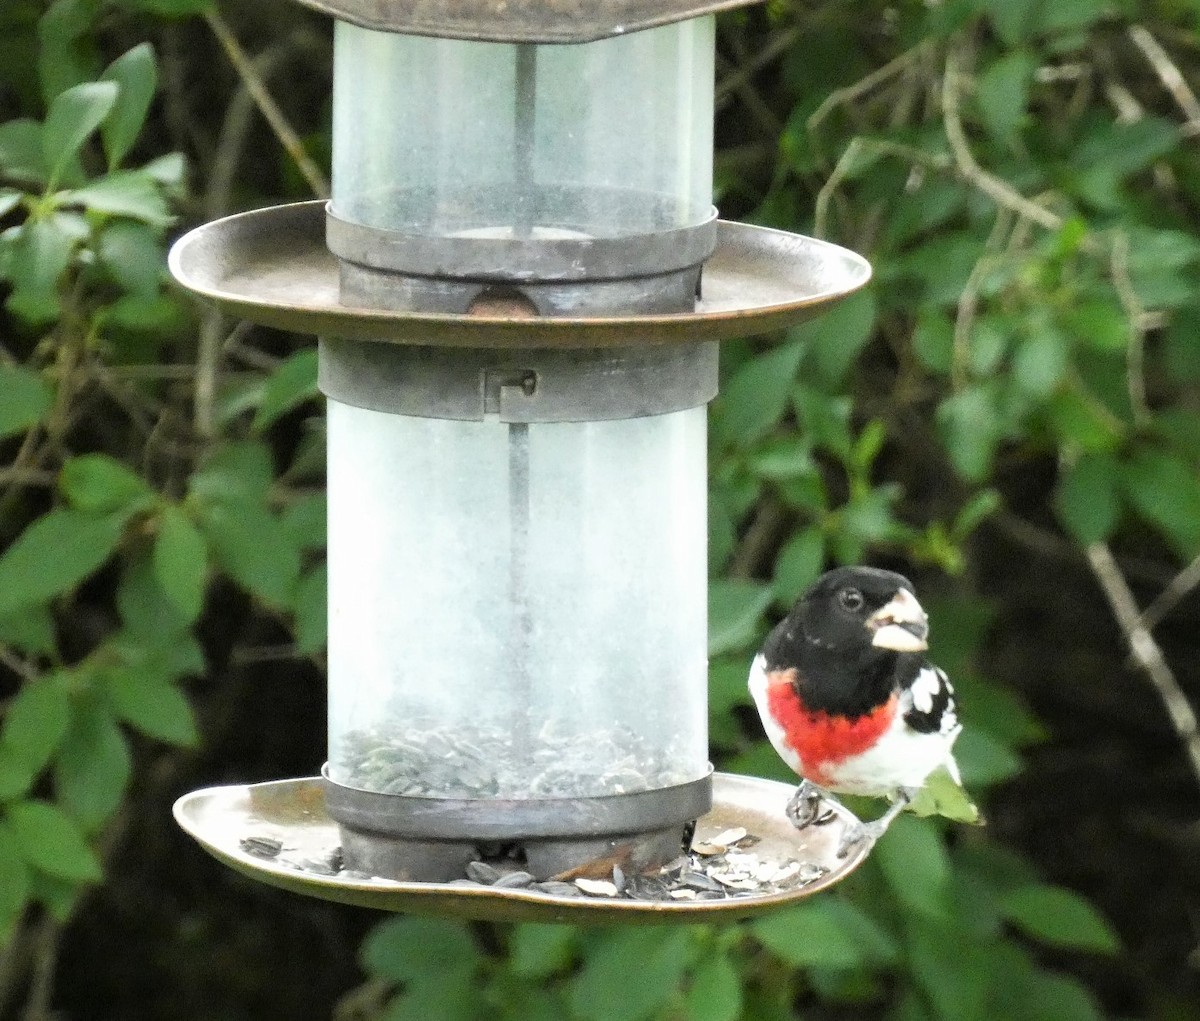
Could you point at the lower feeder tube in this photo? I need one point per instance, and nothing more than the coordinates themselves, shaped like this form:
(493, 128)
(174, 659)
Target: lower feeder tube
(517, 612)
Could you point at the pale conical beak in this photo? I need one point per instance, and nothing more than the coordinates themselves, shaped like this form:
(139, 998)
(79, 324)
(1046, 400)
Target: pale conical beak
(901, 625)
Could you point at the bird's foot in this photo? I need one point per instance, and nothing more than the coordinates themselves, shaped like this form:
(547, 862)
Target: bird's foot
(858, 834)
(804, 807)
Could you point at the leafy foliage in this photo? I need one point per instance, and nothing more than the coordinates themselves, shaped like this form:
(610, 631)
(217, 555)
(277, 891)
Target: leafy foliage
(1020, 179)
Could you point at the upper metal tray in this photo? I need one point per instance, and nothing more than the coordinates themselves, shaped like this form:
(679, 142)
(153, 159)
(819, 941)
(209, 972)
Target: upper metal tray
(292, 814)
(271, 266)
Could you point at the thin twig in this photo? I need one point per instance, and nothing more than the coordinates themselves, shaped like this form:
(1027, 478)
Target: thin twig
(778, 46)
(1135, 313)
(1168, 73)
(22, 668)
(266, 104)
(998, 190)
(45, 963)
(1146, 651)
(845, 165)
(848, 94)
(1172, 595)
(968, 301)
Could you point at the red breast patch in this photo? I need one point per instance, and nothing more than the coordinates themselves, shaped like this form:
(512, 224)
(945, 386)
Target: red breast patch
(819, 739)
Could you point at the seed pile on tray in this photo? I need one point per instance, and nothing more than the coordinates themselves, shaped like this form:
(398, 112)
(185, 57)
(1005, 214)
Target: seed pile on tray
(720, 868)
(481, 762)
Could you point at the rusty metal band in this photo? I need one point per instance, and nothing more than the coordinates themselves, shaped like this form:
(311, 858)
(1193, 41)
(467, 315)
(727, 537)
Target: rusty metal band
(522, 260)
(496, 819)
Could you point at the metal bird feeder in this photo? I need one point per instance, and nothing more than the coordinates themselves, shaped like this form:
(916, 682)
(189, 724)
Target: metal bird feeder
(519, 285)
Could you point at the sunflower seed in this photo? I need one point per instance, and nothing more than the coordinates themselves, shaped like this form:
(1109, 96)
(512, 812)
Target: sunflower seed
(513, 881)
(598, 887)
(261, 847)
(482, 872)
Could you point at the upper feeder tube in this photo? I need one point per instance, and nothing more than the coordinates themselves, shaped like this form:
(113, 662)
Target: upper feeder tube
(425, 137)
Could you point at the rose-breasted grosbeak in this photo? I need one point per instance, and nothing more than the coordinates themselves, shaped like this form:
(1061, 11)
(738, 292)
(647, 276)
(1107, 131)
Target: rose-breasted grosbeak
(851, 704)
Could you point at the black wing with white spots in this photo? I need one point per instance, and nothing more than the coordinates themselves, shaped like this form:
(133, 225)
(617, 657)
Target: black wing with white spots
(930, 707)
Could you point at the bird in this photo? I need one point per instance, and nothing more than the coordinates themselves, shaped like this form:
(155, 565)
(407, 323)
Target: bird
(851, 704)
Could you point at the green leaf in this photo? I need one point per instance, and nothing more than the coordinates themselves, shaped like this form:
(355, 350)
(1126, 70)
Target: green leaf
(255, 548)
(1166, 491)
(236, 473)
(21, 155)
(914, 863)
(307, 521)
(1014, 19)
(734, 610)
(58, 895)
(67, 54)
(755, 399)
(825, 420)
(405, 949)
(799, 564)
(630, 974)
(1068, 15)
(40, 256)
(52, 843)
(825, 933)
(1003, 93)
(27, 399)
(133, 257)
(72, 117)
(31, 630)
(942, 796)
(97, 483)
(14, 883)
(715, 993)
(837, 337)
(970, 431)
(147, 612)
(129, 193)
(539, 950)
(151, 704)
(93, 767)
(53, 555)
(933, 339)
(16, 778)
(1059, 917)
(137, 76)
(37, 720)
(292, 383)
(1041, 362)
(1087, 499)
(311, 611)
(181, 562)
(983, 759)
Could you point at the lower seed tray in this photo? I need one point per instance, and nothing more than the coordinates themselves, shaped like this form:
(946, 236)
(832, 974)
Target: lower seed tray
(746, 857)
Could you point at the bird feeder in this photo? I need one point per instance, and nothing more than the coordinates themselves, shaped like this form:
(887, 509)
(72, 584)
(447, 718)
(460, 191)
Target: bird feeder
(519, 285)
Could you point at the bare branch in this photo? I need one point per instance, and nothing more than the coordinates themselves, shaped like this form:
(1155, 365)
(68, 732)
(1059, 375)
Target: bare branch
(1169, 74)
(266, 104)
(1146, 651)
(999, 191)
(1172, 595)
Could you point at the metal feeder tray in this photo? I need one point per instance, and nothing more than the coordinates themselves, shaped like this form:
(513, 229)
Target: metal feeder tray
(293, 813)
(272, 266)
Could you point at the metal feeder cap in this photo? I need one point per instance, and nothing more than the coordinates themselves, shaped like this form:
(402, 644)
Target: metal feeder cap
(519, 21)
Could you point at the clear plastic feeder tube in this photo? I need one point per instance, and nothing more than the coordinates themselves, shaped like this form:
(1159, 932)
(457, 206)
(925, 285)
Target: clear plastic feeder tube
(452, 138)
(516, 610)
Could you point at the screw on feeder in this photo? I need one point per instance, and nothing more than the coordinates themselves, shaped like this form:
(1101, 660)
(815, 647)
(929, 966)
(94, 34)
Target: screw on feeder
(517, 360)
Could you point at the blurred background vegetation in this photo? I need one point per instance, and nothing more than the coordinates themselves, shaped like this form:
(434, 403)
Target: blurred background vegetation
(1010, 414)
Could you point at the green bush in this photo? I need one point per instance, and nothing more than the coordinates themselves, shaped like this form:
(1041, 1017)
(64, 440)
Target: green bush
(1021, 176)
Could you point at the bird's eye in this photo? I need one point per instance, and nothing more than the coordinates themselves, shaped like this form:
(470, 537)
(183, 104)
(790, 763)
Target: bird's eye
(851, 599)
